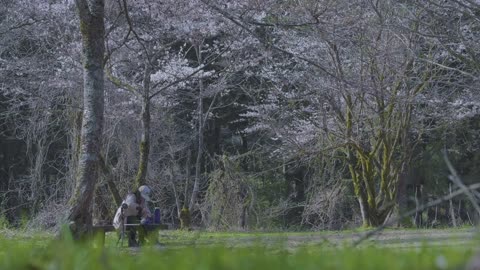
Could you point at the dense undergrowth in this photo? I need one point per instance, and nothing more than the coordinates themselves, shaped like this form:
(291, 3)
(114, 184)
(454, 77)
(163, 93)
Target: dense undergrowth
(40, 252)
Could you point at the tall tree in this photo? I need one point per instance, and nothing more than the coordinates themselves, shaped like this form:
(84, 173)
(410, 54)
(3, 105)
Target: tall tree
(91, 13)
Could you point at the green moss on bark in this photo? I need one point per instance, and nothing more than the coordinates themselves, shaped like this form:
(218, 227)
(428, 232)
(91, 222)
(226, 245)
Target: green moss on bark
(184, 218)
(142, 166)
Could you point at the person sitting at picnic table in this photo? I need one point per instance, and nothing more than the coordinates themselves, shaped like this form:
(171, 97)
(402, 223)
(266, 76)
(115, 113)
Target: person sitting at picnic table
(134, 211)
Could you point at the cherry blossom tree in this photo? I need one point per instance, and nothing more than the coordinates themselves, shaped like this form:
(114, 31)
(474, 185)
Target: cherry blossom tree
(91, 14)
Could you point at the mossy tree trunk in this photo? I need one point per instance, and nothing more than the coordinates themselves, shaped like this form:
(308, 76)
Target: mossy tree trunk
(184, 218)
(146, 120)
(145, 93)
(91, 13)
(377, 165)
(374, 111)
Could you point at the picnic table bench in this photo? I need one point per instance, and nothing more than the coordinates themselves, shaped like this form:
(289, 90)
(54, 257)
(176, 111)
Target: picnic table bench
(101, 230)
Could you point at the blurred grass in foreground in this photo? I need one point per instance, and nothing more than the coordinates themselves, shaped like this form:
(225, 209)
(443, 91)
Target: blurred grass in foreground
(40, 253)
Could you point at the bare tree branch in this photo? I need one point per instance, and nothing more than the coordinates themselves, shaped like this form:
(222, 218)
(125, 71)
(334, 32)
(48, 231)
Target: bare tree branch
(268, 44)
(457, 181)
(119, 83)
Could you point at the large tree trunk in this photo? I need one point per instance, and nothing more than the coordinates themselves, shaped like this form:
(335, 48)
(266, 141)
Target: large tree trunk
(144, 146)
(93, 30)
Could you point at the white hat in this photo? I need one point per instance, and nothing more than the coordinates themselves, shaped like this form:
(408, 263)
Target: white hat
(145, 192)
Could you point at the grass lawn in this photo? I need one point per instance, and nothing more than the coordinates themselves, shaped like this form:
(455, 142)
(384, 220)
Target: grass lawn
(206, 250)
